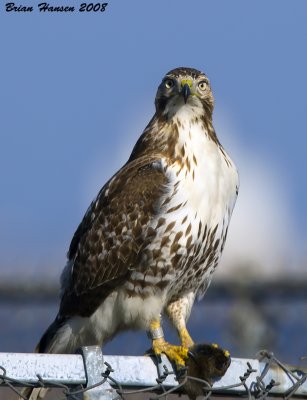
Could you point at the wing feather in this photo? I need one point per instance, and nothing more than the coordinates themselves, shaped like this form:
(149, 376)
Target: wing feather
(115, 230)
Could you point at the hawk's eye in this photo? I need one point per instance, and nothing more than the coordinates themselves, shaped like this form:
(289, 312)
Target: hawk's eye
(202, 85)
(168, 83)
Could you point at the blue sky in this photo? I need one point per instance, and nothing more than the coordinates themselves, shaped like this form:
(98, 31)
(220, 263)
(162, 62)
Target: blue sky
(78, 89)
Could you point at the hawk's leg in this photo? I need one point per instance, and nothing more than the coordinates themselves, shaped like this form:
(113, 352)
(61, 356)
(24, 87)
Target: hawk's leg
(178, 312)
(176, 354)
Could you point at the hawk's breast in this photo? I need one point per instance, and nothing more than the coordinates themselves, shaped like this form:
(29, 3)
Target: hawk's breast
(196, 211)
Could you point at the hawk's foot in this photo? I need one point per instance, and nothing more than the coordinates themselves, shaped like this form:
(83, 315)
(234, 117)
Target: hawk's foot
(176, 354)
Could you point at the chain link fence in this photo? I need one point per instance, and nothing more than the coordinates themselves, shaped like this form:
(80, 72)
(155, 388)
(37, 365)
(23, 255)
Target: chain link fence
(145, 378)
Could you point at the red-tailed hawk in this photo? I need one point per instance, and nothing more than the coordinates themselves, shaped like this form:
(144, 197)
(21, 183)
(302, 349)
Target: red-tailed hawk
(151, 240)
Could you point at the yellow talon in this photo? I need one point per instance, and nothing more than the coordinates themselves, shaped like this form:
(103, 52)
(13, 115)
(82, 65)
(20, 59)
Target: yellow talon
(226, 353)
(176, 354)
(215, 346)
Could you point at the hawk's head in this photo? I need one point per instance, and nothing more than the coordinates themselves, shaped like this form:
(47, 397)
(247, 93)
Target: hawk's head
(184, 87)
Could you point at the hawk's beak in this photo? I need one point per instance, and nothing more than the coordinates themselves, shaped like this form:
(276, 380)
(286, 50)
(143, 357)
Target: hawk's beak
(185, 91)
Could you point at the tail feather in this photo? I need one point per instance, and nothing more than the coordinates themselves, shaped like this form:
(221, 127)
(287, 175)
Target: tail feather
(45, 344)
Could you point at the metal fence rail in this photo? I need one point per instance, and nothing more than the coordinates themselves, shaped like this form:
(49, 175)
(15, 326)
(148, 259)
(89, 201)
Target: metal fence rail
(118, 377)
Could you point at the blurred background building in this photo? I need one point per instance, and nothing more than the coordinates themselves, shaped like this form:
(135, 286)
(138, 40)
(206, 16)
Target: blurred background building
(77, 91)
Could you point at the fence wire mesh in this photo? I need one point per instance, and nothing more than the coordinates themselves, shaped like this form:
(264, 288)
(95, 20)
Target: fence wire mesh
(260, 388)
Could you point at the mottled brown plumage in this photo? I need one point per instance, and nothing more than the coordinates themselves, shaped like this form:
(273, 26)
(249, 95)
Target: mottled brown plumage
(110, 241)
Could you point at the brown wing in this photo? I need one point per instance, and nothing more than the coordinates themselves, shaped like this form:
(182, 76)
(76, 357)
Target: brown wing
(116, 228)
